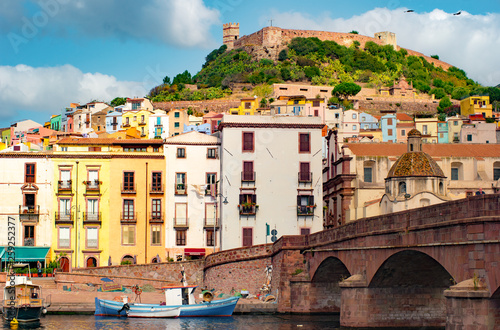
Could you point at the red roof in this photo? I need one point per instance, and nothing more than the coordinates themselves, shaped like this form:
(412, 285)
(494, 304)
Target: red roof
(403, 117)
(434, 150)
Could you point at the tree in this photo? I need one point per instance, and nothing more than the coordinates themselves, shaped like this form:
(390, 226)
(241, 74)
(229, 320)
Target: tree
(344, 90)
(183, 78)
(435, 56)
(166, 80)
(283, 55)
(354, 32)
(263, 90)
(117, 101)
(443, 104)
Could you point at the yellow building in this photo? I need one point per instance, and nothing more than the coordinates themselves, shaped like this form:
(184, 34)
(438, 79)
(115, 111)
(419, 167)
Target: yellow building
(109, 196)
(248, 107)
(138, 119)
(81, 205)
(429, 129)
(476, 104)
(176, 119)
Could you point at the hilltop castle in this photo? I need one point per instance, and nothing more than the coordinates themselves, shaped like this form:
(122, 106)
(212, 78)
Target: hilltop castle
(269, 41)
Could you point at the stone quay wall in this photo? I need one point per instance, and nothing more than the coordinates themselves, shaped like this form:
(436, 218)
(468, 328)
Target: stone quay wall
(165, 271)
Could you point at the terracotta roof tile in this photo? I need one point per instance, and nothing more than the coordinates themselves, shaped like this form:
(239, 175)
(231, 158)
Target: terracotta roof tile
(403, 117)
(434, 150)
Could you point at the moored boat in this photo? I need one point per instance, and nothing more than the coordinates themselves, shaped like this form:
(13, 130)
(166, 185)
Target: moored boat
(22, 299)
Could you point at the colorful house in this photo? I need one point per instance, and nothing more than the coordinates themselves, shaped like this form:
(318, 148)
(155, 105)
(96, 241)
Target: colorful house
(114, 120)
(177, 118)
(248, 107)
(55, 123)
(476, 104)
(367, 121)
(138, 119)
(454, 127)
(158, 125)
(388, 125)
(428, 128)
(443, 132)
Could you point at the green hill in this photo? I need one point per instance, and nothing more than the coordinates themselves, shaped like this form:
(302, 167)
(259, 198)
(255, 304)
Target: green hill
(317, 62)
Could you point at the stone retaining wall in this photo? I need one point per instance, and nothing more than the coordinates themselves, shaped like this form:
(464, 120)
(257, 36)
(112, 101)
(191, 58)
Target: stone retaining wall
(199, 106)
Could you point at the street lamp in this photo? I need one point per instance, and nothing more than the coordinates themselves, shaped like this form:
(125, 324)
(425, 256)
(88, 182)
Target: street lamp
(225, 202)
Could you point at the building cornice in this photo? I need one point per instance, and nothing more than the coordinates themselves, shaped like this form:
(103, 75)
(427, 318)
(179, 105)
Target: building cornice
(79, 156)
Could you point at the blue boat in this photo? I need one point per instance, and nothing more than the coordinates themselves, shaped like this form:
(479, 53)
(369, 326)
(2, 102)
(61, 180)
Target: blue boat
(178, 298)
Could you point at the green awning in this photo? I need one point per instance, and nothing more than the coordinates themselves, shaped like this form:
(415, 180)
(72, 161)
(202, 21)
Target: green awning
(26, 253)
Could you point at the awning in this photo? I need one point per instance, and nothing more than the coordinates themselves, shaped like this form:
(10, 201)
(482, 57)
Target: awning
(26, 254)
(194, 252)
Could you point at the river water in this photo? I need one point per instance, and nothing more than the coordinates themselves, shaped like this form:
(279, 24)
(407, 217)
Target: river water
(260, 322)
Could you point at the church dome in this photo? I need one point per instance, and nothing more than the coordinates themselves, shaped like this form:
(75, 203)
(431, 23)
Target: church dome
(415, 164)
(414, 132)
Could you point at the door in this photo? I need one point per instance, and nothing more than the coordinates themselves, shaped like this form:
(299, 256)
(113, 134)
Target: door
(64, 263)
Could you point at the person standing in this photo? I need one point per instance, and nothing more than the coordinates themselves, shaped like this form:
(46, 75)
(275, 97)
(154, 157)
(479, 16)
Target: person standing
(39, 267)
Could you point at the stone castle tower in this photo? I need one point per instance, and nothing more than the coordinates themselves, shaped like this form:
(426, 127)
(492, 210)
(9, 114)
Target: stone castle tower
(388, 38)
(230, 33)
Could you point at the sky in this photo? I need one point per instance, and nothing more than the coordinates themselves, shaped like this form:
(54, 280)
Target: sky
(54, 52)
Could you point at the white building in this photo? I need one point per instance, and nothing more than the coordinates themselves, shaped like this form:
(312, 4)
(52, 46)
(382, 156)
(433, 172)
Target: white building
(26, 192)
(192, 170)
(271, 177)
(158, 125)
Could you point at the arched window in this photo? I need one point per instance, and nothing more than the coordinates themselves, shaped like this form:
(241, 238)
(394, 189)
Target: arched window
(128, 259)
(402, 188)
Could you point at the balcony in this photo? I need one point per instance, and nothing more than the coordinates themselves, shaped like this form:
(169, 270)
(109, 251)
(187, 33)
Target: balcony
(128, 217)
(247, 176)
(156, 217)
(305, 177)
(29, 213)
(29, 242)
(93, 186)
(211, 223)
(181, 223)
(126, 125)
(128, 188)
(142, 123)
(208, 190)
(63, 217)
(306, 210)
(156, 189)
(248, 208)
(180, 189)
(92, 217)
(143, 134)
(64, 186)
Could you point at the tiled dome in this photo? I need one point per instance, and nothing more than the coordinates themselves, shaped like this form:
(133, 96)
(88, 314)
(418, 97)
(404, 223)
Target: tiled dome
(414, 132)
(415, 164)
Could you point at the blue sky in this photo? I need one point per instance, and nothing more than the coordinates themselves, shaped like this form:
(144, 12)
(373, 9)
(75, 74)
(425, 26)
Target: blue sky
(53, 52)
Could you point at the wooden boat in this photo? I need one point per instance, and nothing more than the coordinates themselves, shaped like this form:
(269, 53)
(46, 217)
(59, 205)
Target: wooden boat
(22, 299)
(180, 298)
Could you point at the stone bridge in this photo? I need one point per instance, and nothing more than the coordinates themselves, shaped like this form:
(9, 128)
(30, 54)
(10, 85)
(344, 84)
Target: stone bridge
(434, 266)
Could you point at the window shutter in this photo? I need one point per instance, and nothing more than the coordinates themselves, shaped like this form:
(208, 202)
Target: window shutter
(242, 198)
(254, 198)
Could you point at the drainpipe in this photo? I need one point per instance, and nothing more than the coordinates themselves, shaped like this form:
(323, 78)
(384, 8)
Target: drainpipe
(77, 232)
(146, 220)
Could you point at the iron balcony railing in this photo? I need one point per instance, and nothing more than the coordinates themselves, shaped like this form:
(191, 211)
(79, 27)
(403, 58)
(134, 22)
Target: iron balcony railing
(156, 189)
(128, 217)
(181, 222)
(128, 188)
(180, 189)
(248, 176)
(211, 223)
(65, 217)
(93, 185)
(156, 217)
(305, 177)
(305, 209)
(92, 216)
(29, 213)
(64, 185)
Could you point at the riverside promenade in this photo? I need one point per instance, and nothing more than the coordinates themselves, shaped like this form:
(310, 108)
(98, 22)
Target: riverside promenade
(80, 300)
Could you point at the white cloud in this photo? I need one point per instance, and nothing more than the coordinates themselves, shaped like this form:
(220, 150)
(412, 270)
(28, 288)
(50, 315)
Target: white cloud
(46, 91)
(469, 42)
(184, 23)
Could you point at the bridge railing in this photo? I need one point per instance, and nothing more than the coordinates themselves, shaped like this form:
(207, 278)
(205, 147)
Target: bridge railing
(471, 207)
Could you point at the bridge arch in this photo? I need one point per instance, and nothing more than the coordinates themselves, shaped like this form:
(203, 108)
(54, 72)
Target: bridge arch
(325, 290)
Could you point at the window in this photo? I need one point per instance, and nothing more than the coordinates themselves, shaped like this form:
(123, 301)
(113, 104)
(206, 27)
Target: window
(136, 105)
(368, 174)
(248, 203)
(304, 142)
(389, 121)
(176, 124)
(305, 172)
(128, 181)
(248, 173)
(142, 119)
(424, 129)
(29, 173)
(29, 236)
(456, 171)
(305, 204)
(337, 115)
(469, 137)
(455, 123)
(128, 235)
(135, 118)
(248, 142)
(316, 113)
(389, 132)
(212, 153)
(93, 177)
(316, 103)
(354, 127)
(64, 209)
(210, 237)
(92, 210)
(211, 179)
(128, 209)
(92, 237)
(248, 105)
(64, 237)
(402, 188)
(181, 152)
(247, 236)
(177, 114)
(354, 116)
(180, 237)
(65, 179)
(94, 148)
(127, 120)
(181, 214)
(403, 132)
(496, 171)
(156, 209)
(305, 231)
(156, 182)
(156, 235)
(180, 183)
